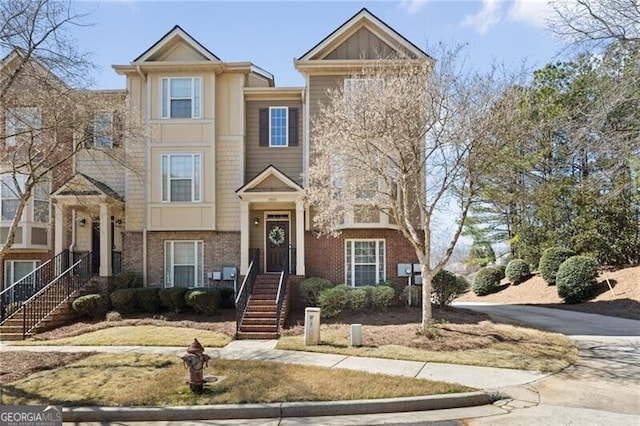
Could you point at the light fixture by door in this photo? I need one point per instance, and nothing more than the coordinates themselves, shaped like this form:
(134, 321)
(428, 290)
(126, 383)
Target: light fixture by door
(256, 221)
(82, 222)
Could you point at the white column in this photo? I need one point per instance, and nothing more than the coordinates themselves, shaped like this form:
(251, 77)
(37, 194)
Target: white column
(60, 234)
(244, 237)
(106, 243)
(300, 238)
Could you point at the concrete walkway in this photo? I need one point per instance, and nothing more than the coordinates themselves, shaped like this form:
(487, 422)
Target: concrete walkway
(489, 380)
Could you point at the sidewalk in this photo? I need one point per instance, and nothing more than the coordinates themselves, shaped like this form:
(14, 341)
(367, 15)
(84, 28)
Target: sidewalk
(489, 380)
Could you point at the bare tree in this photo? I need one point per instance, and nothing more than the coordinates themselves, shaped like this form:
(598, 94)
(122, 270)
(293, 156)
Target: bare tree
(46, 113)
(408, 139)
(597, 21)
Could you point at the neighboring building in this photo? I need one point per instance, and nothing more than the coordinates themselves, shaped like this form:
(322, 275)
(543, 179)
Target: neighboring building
(220, 172)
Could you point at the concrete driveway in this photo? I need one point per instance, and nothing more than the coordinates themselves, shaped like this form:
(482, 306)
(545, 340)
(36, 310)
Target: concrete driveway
(601, 388)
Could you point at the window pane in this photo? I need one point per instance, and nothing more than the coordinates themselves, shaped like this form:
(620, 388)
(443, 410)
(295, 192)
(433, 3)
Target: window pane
(41, 211)
(103, 129)
(196, 97)
(181, 190)
(278, 126)
(165, 177)
(196, 178)
(165, 98)
(365, 275)
(181, 108)
(168, 264)
(183, 276)
(183, 253)
(181, 88)
(9, 209)
(181, 166)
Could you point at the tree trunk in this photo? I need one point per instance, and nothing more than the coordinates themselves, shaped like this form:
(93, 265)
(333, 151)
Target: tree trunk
(427, 313)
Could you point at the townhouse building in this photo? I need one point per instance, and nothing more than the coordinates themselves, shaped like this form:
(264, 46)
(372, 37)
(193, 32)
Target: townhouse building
(215, 172)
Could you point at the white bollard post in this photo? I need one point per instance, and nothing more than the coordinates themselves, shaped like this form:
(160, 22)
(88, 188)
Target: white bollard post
(311, 326)
(356, 335)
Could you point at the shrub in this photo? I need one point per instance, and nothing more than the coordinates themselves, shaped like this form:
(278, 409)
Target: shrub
(357, 300)
(311, 288)
(445, 287)
(227, 298)
(576, 278)
(172, 299)
(128, 280)
(124, 300)
(383, 297)
(113, 316)
(502, 269)
(91, 305)
(550, 262)
(147, 299)
(397, 288)
(368, 289)
(416, 295)
(332, 301)
(486, 280)
(517, 271)
(206, 301)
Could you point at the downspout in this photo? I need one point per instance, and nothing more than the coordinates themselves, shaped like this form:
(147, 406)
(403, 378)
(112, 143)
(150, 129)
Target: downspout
(147, 102)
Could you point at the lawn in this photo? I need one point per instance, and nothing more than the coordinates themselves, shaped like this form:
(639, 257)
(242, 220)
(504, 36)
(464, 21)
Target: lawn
(156, 380)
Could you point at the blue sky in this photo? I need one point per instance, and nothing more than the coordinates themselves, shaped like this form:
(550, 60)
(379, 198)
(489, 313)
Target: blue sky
(272, 33)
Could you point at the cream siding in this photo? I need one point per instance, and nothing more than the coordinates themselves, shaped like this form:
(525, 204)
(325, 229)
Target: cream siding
(181, 52)
(286, 159)
(135, 180)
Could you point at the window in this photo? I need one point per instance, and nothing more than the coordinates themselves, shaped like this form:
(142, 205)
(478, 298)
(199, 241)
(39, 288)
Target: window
(278, 126)
(41, 202)
(14, 271)
(365, 262)
(181, 177)
(23, 126)
(181, 97)
(183, 263)
(103, 129)
(10, 197)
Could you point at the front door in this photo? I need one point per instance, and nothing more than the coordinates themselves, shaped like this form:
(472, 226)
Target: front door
(95, 248)
(277, 244)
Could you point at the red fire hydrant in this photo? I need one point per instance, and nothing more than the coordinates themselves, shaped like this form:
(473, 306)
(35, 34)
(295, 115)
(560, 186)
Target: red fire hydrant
(195, 359)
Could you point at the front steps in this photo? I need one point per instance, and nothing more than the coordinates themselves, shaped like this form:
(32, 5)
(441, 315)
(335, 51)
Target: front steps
(260, 319)
(11, 329)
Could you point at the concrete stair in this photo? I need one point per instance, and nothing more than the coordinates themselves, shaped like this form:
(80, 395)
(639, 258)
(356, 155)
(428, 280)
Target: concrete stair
(260, 319)
(11, 329)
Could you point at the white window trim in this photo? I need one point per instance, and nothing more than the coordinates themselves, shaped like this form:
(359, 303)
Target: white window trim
(384, 263)
(169, 269)
(167, 115)
(194, 194)
(95, 129)
(286, 127)
(10, 125)
(11, 269)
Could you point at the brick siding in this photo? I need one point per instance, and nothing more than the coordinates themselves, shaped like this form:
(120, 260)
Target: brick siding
(325, 256)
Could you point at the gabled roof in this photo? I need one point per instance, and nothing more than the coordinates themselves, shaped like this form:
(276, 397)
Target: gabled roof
(83, 185)
(363, 18)
(18, 53)
(169, 39)
(288, 185)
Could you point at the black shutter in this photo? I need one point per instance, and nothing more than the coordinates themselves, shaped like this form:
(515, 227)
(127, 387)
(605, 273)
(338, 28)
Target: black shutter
(293, 126)
(118, 129)
(264, 126)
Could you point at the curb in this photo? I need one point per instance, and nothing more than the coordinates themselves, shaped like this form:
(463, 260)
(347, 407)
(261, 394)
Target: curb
(277, 410)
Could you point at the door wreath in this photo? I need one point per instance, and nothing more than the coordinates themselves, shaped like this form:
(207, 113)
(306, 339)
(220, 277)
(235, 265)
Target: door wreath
(276, 236)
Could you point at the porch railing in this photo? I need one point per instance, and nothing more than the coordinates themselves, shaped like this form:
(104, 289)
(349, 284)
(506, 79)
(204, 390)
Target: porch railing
(45, 301)
(246, 289)
(23, 289)
(282, 287)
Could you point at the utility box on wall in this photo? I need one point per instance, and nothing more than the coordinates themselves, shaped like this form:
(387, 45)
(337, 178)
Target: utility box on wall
(229, 273)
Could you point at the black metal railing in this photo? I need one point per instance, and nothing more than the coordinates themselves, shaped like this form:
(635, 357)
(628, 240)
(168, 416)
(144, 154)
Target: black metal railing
(246, 289)
(116, 262)
(282, 288)
(12, 297)
(45, 301)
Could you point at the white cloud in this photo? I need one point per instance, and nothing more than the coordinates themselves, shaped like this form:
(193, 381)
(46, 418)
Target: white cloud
(532, 12)
(413, 6)
(486, 18)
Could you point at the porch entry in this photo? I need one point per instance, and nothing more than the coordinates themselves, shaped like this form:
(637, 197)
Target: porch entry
(277, 232)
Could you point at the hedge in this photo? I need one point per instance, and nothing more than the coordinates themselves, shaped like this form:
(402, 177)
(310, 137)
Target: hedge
(576, 278)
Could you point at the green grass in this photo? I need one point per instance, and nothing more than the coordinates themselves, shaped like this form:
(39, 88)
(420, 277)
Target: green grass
(139, 335)
(152, 380)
